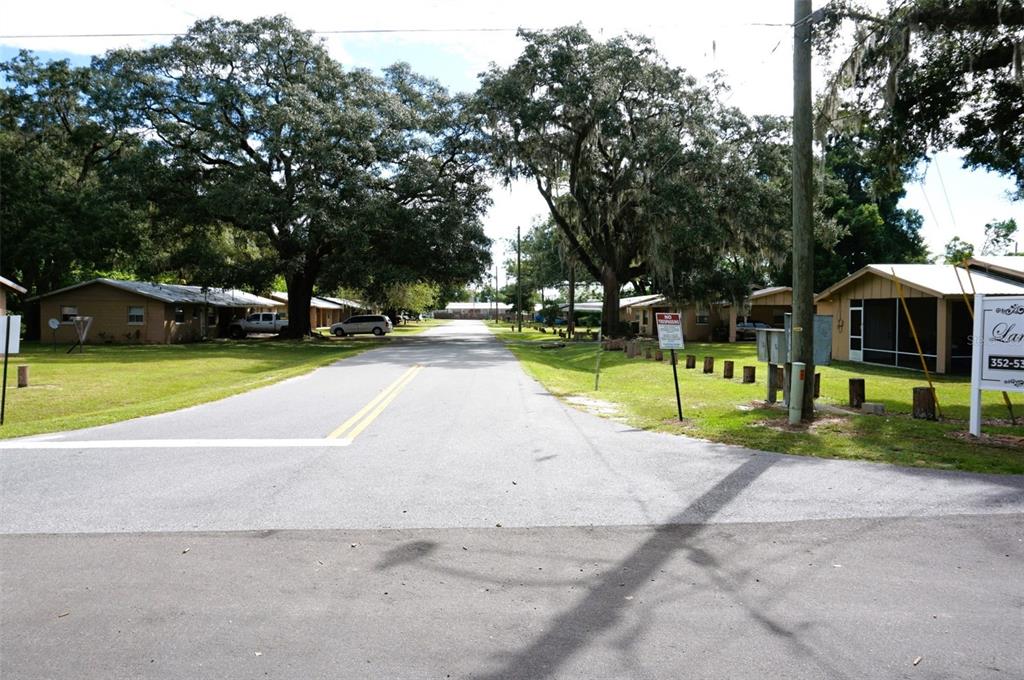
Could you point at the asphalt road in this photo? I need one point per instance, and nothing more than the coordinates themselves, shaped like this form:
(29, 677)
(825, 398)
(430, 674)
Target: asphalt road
(464, 523)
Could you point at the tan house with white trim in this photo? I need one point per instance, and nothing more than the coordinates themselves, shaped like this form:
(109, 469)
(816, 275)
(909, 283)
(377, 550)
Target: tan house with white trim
(702, 322)
(144, 312)
(869, 323)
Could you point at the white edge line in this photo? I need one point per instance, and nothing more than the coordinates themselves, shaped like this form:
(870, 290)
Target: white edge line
(177, 444)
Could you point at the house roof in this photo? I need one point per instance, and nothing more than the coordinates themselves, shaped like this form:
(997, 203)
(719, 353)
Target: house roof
(470, 306)
(939, 280)
(631, 301)
(344, 302)
(773, 290)
(1011, 266)
(589, 306)
(315, 301)
(176, 293)
(637, 300)
(7, 283)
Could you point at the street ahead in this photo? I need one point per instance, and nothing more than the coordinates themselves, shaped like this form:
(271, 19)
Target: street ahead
(426, 510)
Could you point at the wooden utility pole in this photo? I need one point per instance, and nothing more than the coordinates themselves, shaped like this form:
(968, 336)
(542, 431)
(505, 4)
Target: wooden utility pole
(803, 200)
(571, 322)
(495, 293)
(519, 280)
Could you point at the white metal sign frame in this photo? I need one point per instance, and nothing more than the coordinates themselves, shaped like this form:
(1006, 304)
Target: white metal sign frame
(670, 330)
(997, 350)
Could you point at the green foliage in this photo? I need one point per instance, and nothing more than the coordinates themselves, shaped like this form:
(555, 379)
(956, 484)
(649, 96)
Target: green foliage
(999, 237)
(957, 251)
(412, 297)
(342, 177)
(66, 213)
(931, 74)
(626, 152)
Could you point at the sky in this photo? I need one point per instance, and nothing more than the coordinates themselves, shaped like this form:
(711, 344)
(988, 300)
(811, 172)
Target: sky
(749, 41)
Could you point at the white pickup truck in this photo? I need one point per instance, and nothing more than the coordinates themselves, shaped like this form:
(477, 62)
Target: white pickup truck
(263, 322)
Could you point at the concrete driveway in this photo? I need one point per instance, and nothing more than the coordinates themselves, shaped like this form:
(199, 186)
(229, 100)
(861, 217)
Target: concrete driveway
(427, 510)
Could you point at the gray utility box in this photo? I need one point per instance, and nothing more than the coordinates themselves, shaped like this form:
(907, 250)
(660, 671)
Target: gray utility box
(774, 345)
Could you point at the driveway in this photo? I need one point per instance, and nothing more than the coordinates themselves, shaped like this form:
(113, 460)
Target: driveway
(427, 509)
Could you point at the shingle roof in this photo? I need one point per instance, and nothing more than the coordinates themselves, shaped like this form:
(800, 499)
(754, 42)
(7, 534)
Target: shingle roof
(937, 279)
(176, 293)
(315, 301)
(344, 302)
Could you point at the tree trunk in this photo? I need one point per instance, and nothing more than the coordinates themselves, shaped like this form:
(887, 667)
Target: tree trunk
(571, 322)
(610, 306)
(300, 292)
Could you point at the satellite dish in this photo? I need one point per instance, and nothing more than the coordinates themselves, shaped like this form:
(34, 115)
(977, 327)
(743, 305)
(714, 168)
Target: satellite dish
(53, 324)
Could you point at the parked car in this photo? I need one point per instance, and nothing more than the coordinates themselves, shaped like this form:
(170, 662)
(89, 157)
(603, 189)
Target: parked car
(263, 322)
(378, 324)
(747, 330)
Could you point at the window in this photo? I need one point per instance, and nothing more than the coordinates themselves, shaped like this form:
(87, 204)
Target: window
(211, 316)
(195, 312)
(68, 313)
(179, 315)
(644, 315)
(136, 314)
(702, 314)
(253, 318)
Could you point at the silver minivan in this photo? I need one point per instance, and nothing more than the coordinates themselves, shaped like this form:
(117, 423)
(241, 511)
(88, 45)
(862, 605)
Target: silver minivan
(378, 324)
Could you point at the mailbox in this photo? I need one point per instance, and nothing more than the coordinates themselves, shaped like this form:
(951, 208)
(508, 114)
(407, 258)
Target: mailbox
(772, 345)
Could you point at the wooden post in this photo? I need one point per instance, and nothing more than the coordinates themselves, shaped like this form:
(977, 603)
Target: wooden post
(727, 369)
(773, 383)
(924, 403)
(22, 376)
(749, 374)
(659, 355)
(648, 353)
(691, 361)
(817, 385)
(856, 392)
(709, 364)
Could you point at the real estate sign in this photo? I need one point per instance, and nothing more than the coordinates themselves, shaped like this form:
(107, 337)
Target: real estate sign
(670, 330)
(998, 350)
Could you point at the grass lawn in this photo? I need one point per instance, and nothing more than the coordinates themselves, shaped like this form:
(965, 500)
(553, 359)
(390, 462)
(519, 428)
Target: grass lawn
(108, 383)
(728, 411)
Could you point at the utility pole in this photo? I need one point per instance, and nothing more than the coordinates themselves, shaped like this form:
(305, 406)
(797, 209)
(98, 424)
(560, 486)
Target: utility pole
(495, 293)
(519, 279)
(803, 201)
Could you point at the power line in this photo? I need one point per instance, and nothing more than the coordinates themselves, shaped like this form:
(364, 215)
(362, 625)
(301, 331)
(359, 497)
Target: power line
(347, 31)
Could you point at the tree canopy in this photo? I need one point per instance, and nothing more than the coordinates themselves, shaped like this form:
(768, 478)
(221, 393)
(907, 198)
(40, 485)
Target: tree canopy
(338, 172)
(619, 145)
(928, 75)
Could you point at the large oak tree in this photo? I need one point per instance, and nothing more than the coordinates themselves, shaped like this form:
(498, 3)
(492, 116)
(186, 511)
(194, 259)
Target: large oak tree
(336, 170)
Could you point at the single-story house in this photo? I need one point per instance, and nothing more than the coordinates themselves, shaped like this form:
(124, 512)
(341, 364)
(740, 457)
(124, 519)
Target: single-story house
(628, 308)
(323, 311)
(141, 311)
(348, 307)
(474, 310)
(5, 286)
(702, 322)
(769, 305)
(870, 324)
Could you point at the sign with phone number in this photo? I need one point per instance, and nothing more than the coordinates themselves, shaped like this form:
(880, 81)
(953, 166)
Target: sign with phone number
(1006, 363)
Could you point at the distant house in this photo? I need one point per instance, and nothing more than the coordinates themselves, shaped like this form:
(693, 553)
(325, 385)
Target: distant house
(474, 310)
(769, 305)
(140, 311)
(348, 307)
(629, 308)
(5, 286)
(323, 311)
(702, 322)
(870, 325)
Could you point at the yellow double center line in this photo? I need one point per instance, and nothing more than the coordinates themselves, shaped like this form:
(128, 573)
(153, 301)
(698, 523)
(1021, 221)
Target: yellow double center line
(351, 428)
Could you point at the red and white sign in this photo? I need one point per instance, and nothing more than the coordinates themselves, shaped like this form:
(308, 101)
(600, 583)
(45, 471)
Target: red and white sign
(670, 330)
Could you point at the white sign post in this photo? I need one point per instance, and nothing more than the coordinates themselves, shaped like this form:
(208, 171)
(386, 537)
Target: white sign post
(997, 350)
(10, 336)
(670, 337)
